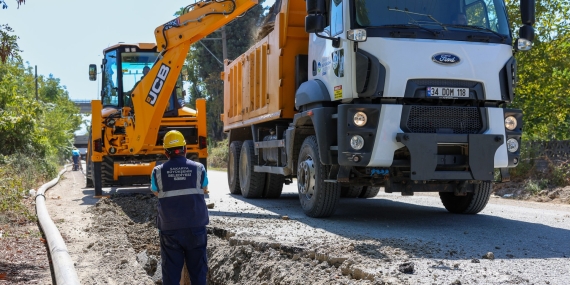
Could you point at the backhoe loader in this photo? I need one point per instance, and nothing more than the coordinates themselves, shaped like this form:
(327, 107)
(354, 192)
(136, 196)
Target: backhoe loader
(139, 101)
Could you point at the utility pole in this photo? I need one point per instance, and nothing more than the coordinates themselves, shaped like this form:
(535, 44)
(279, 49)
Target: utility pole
(224, 49)
(36, 83)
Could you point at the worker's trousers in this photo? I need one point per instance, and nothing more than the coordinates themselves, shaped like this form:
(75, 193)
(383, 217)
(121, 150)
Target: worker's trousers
(176, 246)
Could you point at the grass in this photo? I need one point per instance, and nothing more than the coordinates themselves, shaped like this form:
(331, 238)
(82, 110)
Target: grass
(218, 155)
(18, 174)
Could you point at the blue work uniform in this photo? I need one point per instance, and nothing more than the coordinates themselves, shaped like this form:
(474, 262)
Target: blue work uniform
(75, 155)
(182, 218)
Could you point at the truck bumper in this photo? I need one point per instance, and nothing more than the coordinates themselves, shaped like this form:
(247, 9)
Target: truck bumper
(424, 158)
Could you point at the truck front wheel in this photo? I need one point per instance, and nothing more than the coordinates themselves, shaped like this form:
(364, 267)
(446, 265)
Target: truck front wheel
(472, 203)
(350, 191)
(318, 198)
(369, 192)
(233, 167)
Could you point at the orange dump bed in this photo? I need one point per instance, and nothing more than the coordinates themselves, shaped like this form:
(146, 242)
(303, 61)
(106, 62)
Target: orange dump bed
(259, 85)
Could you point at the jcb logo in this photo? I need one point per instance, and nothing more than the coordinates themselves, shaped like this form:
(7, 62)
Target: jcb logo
(157, 85)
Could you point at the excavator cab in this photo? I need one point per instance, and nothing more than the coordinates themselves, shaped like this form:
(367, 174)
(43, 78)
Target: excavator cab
(123, 67)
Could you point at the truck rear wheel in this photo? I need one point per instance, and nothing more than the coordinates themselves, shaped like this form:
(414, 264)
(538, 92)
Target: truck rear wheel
(318, 198)
(369, 192)
(472, 203)
(251, 182)
(273, 186)
(233, 167)
(350, 191)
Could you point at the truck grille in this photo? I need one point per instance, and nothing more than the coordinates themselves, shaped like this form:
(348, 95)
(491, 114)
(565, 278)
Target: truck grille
(436, 119)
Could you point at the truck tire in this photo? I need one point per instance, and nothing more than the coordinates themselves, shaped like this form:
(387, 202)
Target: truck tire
(251, 182)
(472, 203)
(233, 167)
(350, 191)
(318, 198)
(369, 192)
(273, 186)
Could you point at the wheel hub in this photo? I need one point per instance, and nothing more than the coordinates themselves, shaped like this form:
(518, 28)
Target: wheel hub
(306, 177)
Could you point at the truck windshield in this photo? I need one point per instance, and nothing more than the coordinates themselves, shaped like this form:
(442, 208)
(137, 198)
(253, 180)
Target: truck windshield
(449, 15)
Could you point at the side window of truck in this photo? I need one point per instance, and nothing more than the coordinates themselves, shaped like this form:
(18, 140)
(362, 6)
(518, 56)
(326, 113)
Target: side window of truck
(336, 17)
(476, 13)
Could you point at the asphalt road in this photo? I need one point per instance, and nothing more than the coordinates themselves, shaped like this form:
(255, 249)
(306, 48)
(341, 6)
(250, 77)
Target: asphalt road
(530, 241)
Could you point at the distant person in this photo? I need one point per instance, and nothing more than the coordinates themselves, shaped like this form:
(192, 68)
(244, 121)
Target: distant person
(75, 155)
(460, 19)
(180, 185)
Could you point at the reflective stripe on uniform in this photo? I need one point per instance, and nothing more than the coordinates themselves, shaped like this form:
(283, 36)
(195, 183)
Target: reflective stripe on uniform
(174, 193)
(158, 173)
(199, 177)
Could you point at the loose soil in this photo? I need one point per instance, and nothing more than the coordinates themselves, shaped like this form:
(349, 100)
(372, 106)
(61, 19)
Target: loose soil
(114, 241)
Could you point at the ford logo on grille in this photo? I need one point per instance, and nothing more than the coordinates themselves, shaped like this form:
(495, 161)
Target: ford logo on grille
(445, 58)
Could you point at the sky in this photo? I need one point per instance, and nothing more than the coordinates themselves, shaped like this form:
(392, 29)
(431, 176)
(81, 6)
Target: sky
(62, 37)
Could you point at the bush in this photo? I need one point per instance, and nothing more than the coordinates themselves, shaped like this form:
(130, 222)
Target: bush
(218, 155)
(20, 173)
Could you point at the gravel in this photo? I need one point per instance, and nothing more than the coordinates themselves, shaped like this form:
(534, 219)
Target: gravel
(374, 241)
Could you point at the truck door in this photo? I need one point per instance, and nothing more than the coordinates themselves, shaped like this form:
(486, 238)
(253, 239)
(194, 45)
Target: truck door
(331, 64)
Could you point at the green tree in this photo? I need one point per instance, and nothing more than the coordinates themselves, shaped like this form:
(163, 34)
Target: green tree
(544, 72)
(204, 69)
(8, 43)
(43, 128)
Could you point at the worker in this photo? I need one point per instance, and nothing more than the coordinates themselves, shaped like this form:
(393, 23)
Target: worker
(179, 185)
(75, 156)
(127, 95)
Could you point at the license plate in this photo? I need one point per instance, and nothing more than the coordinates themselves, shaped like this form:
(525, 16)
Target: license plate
(447, 92)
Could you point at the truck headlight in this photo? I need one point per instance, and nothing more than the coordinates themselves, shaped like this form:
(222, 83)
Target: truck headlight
(360, 119)
(512, 145)
(357, 142)
(510, 123)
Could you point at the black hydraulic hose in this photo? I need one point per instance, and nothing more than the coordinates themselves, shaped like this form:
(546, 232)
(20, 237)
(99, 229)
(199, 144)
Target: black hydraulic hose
(170, 25)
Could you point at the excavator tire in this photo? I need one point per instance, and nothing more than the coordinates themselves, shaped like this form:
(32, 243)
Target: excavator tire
(107, 169)
(89, 166)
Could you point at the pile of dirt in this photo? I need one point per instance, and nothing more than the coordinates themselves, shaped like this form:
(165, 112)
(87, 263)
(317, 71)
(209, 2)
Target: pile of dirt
(519, 190)
(242, 259)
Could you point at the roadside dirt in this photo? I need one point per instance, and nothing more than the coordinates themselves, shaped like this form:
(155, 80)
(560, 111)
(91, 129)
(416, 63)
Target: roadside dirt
(115, 241)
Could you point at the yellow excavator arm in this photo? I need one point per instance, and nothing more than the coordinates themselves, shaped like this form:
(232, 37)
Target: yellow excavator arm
(173, 42)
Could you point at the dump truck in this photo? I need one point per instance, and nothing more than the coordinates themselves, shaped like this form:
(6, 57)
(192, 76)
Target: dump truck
(350, 96)
(139, 102)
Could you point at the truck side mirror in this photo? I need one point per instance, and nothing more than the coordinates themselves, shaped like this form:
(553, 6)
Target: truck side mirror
(314, 23)
(92, 72)
(316, 7)
(527, 12)
(526, 36)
